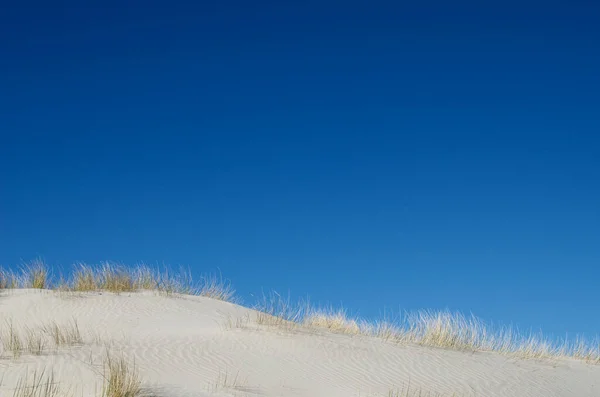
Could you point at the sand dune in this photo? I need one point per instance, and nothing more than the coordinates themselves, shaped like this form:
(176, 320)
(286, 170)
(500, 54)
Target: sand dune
(191, 346)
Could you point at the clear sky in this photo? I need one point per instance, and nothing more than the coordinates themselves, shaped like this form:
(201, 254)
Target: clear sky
(395, 155)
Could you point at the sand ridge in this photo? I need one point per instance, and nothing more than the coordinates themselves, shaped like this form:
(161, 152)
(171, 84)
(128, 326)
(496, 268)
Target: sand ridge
(182, 346)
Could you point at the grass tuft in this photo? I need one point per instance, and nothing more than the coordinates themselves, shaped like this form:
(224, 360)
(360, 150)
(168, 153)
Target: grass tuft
(333, 320)
(35, 274)
(115, 278)
(84, 279)
(64, 335)
(120, 378)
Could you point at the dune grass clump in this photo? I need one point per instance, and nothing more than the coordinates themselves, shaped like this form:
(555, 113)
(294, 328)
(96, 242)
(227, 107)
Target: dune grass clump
(120, 378)
(35, 275)
(115, 278)
(84, 279)
(332, 320)
(447, 330)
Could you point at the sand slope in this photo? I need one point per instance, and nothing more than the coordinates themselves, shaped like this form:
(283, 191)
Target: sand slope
(183, 347)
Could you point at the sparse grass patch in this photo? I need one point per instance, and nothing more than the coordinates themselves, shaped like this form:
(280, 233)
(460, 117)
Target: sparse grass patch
(414, 392)
(440, 329)
(145, 278)
(35, 342)
(119, 380)
(386, 330)
(11, 340)
(64, 334)
(232, 322)
(62, 285)
(170, 283)
(411, 391)
(40, 386)
(586, 351)
(215, 287)
(8, 280)
(274, 311)
(226, 380)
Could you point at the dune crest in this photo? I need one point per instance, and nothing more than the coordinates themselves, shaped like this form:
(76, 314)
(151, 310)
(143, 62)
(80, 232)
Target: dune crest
(198, 346)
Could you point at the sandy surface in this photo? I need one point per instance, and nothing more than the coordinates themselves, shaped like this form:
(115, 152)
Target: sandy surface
(183, 347)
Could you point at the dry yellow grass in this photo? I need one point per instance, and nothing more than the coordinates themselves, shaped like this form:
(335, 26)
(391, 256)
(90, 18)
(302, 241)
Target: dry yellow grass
(428, 328)
(120, 378)
(216, 288)
(440, 329)
(84, 279)
(118, 279)
(115, 278)
(64, 334)
(333, 320)
(35, 274)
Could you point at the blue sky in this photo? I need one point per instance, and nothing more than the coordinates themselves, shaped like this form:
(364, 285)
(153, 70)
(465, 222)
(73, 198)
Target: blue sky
(379, 155)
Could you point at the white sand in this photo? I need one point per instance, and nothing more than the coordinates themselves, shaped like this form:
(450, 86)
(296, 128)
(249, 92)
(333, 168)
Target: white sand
(181, 347)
